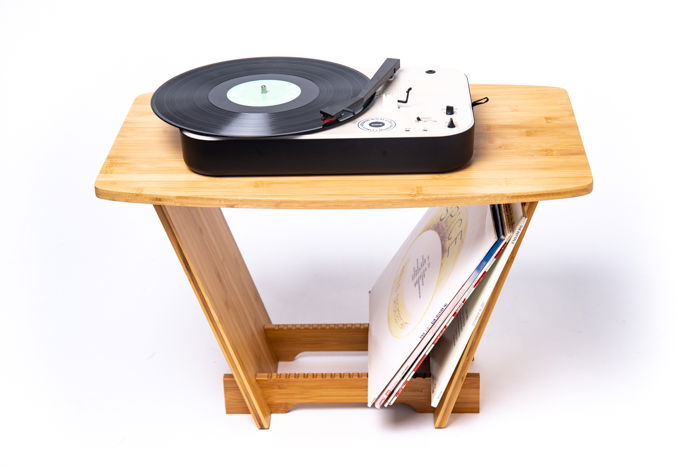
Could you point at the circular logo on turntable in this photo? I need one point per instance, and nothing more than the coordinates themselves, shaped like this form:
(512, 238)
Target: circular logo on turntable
(376, 124)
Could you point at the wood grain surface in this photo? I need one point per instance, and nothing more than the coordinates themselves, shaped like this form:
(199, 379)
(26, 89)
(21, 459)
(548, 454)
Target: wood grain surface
(288, 340)
(226, 292)
(527, 148)
(285, 390)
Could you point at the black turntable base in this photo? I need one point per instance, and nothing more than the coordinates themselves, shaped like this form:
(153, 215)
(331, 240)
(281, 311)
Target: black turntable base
(288, 116)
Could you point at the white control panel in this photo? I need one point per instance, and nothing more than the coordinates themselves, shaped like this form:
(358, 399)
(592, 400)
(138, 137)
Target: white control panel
(438, 104)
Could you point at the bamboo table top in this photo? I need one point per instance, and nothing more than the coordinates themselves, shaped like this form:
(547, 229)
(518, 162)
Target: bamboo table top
(527, 148)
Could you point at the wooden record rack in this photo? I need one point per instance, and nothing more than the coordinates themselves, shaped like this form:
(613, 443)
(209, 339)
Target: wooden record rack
(527, 149)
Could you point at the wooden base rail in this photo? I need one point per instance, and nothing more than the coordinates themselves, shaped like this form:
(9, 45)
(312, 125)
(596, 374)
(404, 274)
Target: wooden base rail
(282, 391)
(289, 340)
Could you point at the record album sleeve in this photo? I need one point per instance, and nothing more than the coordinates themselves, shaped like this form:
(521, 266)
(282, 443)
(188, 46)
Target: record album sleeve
(423, 277)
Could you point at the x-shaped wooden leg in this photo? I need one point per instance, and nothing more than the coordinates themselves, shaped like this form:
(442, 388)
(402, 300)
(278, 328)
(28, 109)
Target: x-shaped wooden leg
(252, 345)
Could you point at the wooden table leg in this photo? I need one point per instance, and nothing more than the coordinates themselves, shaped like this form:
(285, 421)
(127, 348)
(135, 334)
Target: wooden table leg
(454, 387)
(226, 292)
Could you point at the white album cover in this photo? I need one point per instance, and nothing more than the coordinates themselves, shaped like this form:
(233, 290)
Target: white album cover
(431, 266)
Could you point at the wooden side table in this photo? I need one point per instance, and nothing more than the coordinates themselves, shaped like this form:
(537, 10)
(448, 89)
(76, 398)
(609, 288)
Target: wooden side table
(527, 149)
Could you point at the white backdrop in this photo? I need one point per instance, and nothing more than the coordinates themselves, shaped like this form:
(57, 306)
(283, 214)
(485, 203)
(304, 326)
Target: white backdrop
(106, 359)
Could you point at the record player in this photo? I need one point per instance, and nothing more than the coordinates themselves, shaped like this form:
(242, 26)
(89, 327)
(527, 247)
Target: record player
(294, 116)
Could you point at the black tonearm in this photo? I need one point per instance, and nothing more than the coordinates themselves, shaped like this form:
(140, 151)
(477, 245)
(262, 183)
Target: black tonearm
(357, 103)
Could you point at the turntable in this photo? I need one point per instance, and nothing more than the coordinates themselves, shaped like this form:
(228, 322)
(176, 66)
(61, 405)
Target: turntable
(294, 116)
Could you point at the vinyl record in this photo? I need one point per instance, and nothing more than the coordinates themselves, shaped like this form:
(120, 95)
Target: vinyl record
(256, 97)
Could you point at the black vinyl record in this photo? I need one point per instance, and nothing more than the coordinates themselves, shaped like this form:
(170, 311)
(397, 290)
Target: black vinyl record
(232, 99)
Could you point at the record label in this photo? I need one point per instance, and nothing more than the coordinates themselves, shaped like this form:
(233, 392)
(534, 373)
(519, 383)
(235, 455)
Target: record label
(263, 93)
